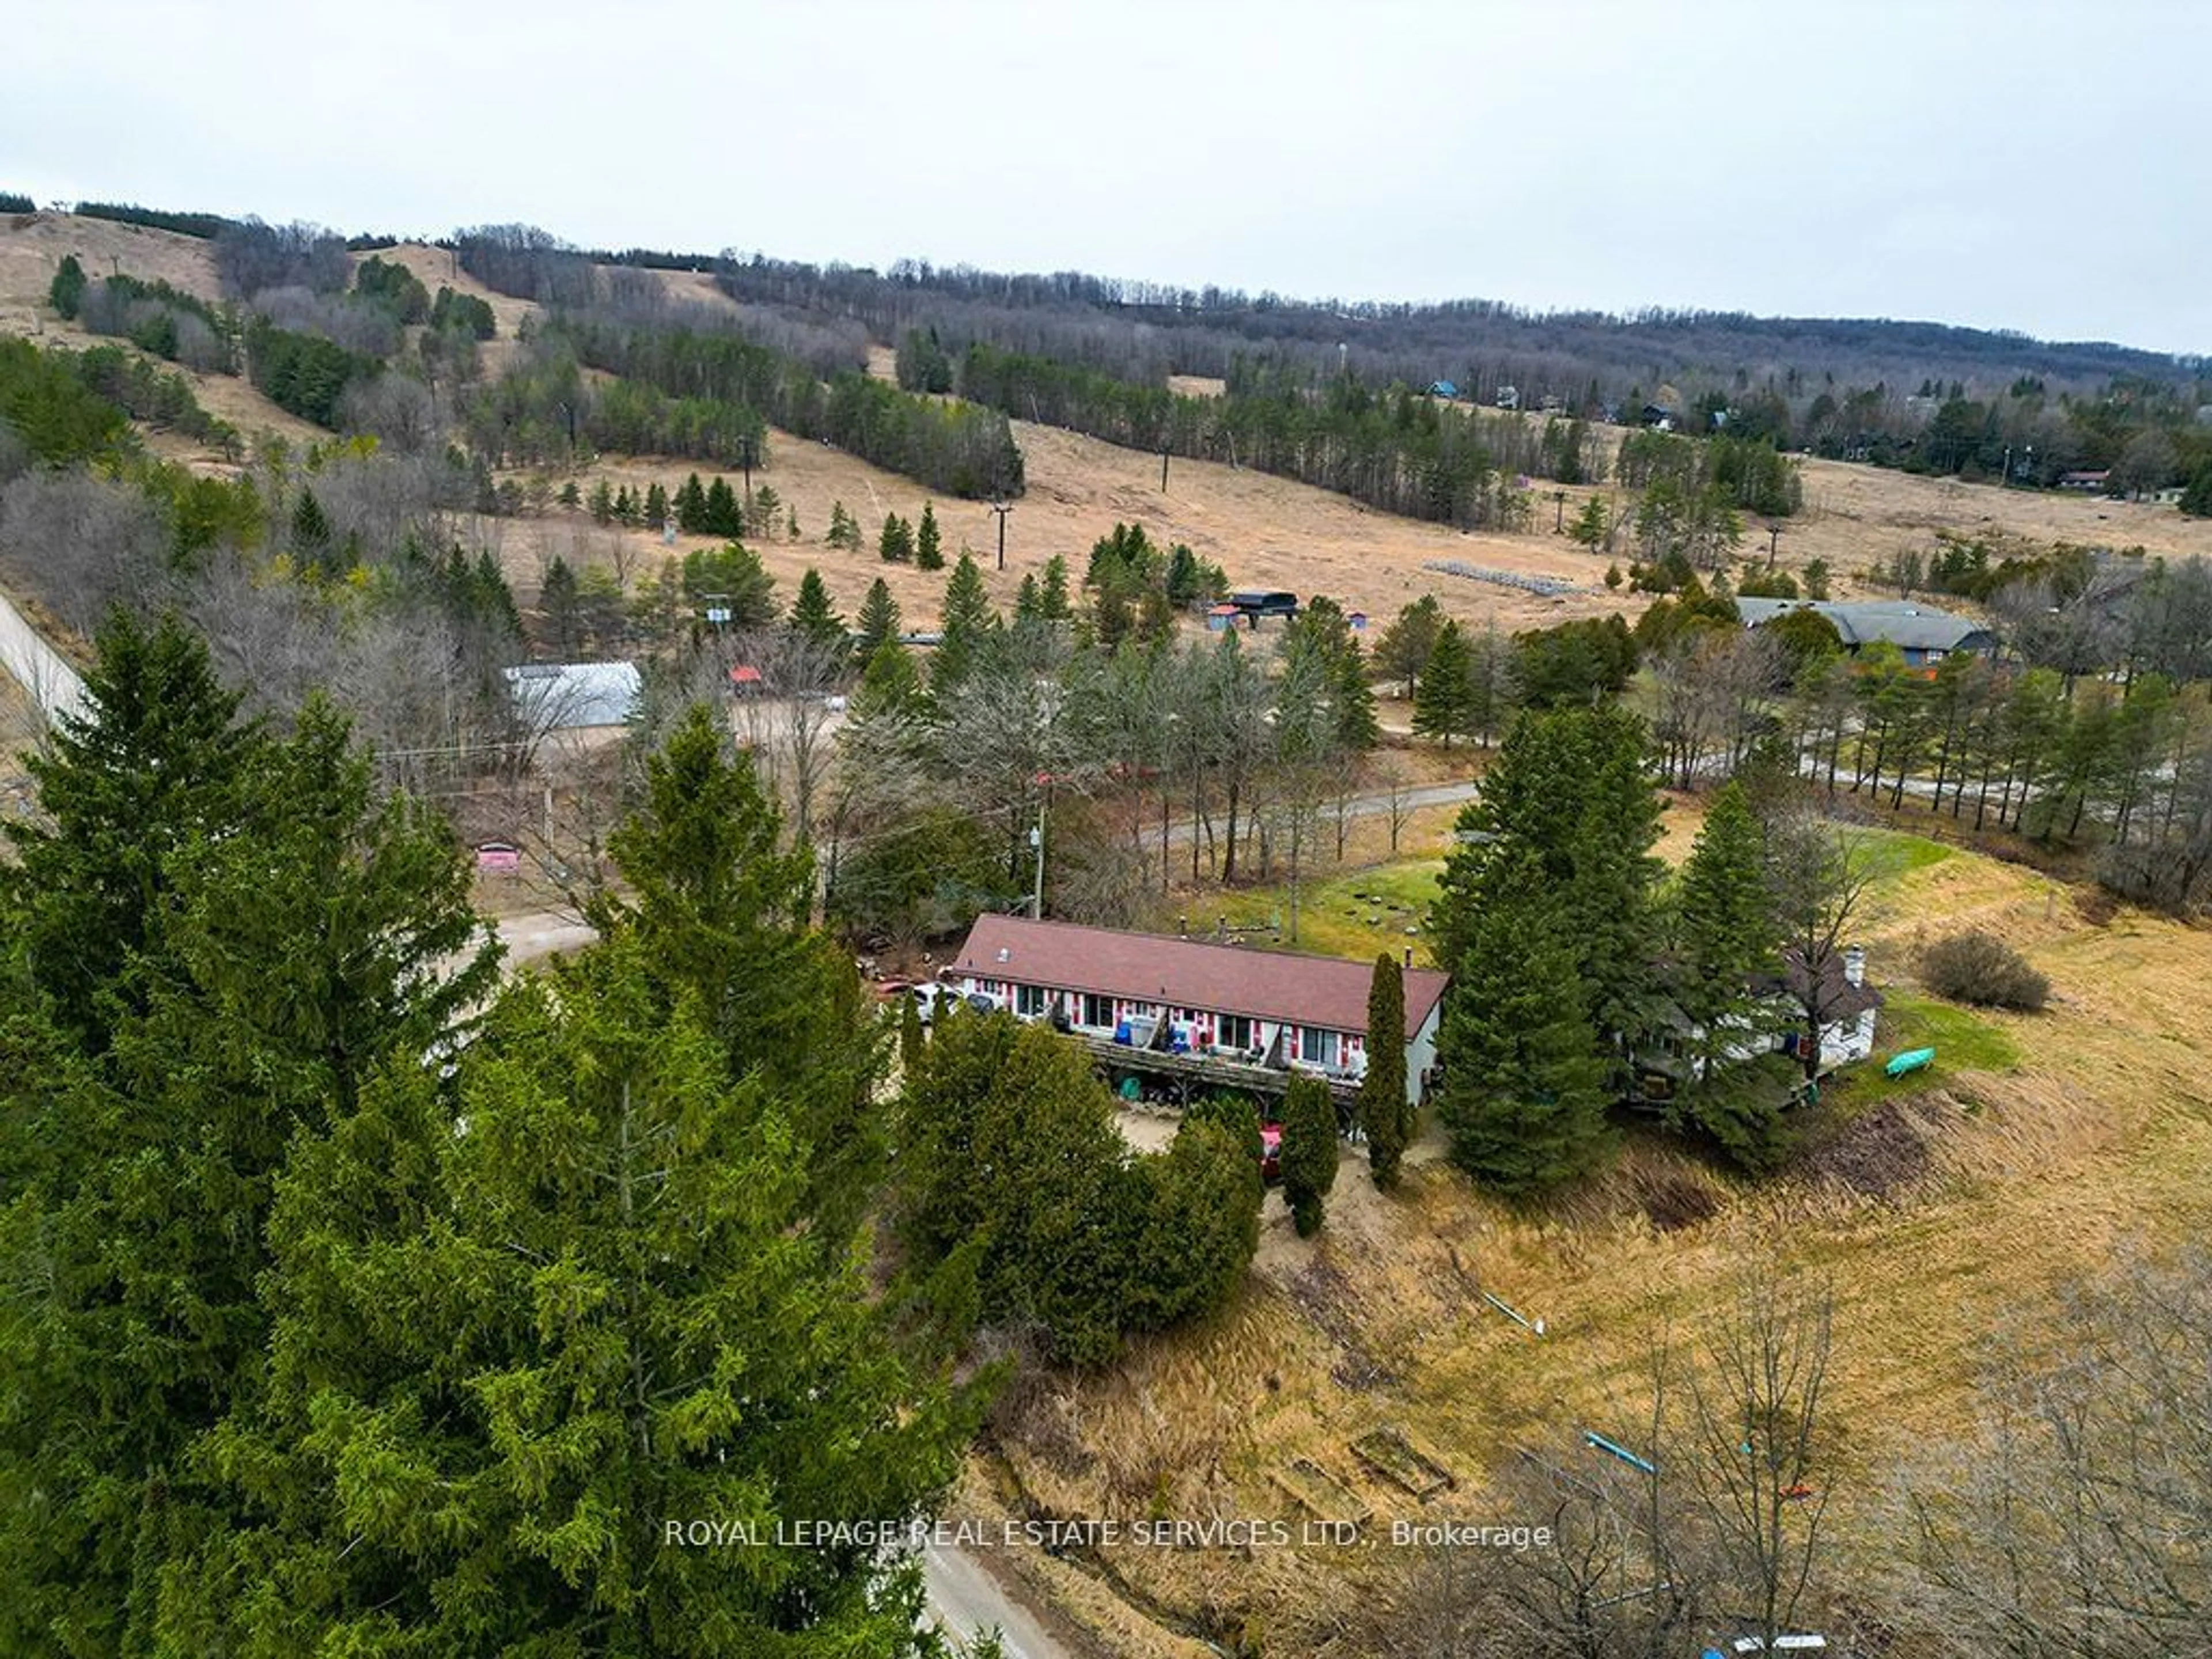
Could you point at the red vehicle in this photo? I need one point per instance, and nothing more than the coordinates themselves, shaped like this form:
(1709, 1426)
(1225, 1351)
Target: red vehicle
(1271, 1151)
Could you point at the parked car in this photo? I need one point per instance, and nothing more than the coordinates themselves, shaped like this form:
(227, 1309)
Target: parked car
(934, 996)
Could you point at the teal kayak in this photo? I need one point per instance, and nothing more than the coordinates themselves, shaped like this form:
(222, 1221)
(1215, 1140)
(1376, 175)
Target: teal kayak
(1910, 1060)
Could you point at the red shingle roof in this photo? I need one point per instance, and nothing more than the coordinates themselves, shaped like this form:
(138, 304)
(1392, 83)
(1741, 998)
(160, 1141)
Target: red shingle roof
(1183, 973)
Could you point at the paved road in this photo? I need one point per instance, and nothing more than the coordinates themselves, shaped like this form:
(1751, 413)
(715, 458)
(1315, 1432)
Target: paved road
(965, 1600)
(37, 667)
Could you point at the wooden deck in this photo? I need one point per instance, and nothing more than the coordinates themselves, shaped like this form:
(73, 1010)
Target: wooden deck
(1194, 1074)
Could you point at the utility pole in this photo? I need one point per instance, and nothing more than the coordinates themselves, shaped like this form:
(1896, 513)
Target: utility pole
(1163, 471)
(1002, 508)
(1037, 841)
(1559, 518)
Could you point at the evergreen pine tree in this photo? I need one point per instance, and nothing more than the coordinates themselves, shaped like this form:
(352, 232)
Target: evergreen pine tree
(723, 516)
(1403, 651)
(967, 621)
(878, 623)
(656, 505)
(156, 758)
(625, 507)
(691, 508)
(557, 600)
(1591, 531)
(1053, 603)
(910, 1035)
(1309, 1151)
(300, 932)
(66, 294)
(812, 616)
(1028, 604)
(844, 529)
(1727, 938)
(723, 913)
(1442, 699)
(312, 535)
(1523, 1098)
(505, 1358)
(896, 544)
(602, 503)
(1384, 1112)
(928, 545)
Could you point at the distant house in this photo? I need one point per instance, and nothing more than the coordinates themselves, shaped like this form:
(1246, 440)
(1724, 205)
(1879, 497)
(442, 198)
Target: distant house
(1212, 1013)
(745, 681)
(1660, 418)
(1442, 389)
(1925, 635)
(573, 696)
(1664, 1060)
(2088, 484)
(1847, 1003)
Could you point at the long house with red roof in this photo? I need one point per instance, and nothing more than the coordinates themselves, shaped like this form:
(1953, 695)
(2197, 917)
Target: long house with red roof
(1204, 1010)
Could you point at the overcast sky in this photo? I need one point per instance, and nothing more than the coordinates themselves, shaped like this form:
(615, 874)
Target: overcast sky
(2004, 163)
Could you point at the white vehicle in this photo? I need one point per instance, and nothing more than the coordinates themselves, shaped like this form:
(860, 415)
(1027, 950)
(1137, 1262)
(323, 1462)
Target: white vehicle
(934, 996)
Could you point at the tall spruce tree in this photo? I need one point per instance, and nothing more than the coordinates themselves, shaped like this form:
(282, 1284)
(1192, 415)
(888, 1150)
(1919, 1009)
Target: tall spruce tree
(1442, 698)
(1570, 788)
(1523, 1095)
(1384, 1112)
(532, 1314)
(1309, 1151)
(896, 544)
(1054, 604)
(813, 618)
(300, 932)
(967, 622)
(878, 622)
(723, 516)
(1727, 934)
(690, 508)
(723, 911)
(928, 541)
(157, 758)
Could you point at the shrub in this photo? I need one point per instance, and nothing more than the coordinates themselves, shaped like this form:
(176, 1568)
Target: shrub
(1983, 969)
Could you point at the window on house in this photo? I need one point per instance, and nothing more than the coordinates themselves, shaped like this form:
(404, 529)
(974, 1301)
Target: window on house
(1097, 1010)
(1029, 1001)
(1316, 1046)
(1236, 1032)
